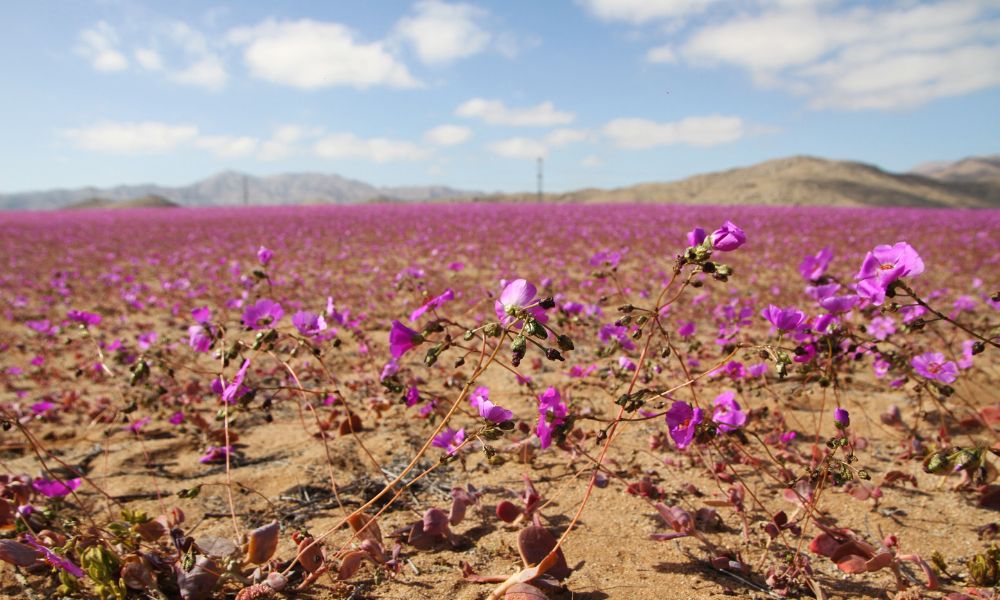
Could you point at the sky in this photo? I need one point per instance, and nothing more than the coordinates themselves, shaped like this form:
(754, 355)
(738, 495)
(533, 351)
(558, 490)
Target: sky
(470, 94)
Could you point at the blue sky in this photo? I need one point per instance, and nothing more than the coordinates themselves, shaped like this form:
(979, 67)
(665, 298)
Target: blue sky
(468, 94)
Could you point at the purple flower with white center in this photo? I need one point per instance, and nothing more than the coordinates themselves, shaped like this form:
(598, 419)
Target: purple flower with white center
(606, 258)
(51, 488)
(200, 338)
(696, 236)
(433, 304)
(933, 365)
(516, 297)
(480, 400)
(841, 418)
(727, 413)
(839, 304)
(449, 439)
(882, 327)
(784, 319)
(232, 391)
(682, 422)
(261, 314)
(884, 265)
(727, 238)
(402, 339)
(552, 413)
(308, 323)
(264, 255)
(202, 315)
(83, 318)
(813, 267)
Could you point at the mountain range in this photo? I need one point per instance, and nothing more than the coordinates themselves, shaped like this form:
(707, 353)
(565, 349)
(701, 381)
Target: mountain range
(799, 180)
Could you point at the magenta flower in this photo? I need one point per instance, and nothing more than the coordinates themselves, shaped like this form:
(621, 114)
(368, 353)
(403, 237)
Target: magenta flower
(402, 339)
(882, 327)
(308, 323)
(884, 265)
(727, 238)
(552, 413)
(412, 396)
(727, 414)
(516, 297)
(264, 255)
(695, 237)
(215, 455)
(54, 559)
(480, 400)
(626, 364)
(449, 439)
(51, 488)
(686, 330)
(838, 304)
(136, 426)
(262, 314)
(433, 304)
(682, 421)
(841, 418)
(177, 418)
(83, 318)
(146, 340)
(606, 258)
(200, 338)
(390, 369)
(202, 315)
(785, 319)
(933, 365)
(813, 267)
(231, 392)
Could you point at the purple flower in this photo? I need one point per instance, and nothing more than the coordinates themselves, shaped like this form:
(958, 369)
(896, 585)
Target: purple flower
(822, 291)
(813, 267)
(727, 238)
(402, 339)
(202, 315)
(231, 392)
(200, 338)
(785, 319)
(966, 361)
(933, 365)
(264, 255)
(308, 323)
(516, 297)
(390, 369)
(838, 304)
(552, 413)
(84, 318)
(626, 364)
(788, 436)
(263, 313)
(480, 400)
(882, 327)
(433, 304)
(215, 454)
(449, 439)
(43, 407)
(841, 418)
(682, 420)
(55, 489)
(54, 559)
(696, 236)
(146, 340)
(136, 426)
(686, 330)
(412, 396)
(884, 265)
(177, 418)
(727, 414)
(606, 258)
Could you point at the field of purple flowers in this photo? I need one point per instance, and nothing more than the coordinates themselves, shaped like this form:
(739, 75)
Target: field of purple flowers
(503, 401)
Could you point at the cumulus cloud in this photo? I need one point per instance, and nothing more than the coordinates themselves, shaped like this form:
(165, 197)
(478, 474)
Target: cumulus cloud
(311, 54)
(641, 11)
(591, 161)
(227, 146)
(519, 147)
(662, 54)
(565, 136)
(208, 72)
(639, 134)
(495, 112)
(99, 45)
(379, 150)
(883, 56)
(145, 137)
(148, 59)
(441, 33)
(285, 141)
(448, 135)
(204, 65)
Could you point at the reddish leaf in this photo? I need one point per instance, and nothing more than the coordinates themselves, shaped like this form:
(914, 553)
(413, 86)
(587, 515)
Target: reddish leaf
(534, 543)
(197, 583)
(507, 511)
(18, 554)
(263, 543)
(524, 591)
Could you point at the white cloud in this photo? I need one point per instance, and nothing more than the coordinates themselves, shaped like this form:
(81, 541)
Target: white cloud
(521, 148)
(662, 54)
(639, 134)
(310, 54)
(495, 112)
(448, 135)
(380, 150)
(640, 11)
(441, 33)
(208, 72)
(205, 67)
(591, 161)
(227, 146)
(566, 136)
(871, 56)
(148, 59)
(129, 138)
(99, 45)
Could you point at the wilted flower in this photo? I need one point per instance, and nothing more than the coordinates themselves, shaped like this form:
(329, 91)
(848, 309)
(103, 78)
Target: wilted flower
(552, 413)
(262, 314)
(727, 414)
(402, 339)
(884, 265)
(727, 238)
(933, 365)
(229, 394)
(433, 303)
(516, 297)
(682, 420)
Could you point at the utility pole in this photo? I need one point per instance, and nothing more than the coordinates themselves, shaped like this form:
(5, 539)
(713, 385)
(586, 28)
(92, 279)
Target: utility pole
(539, 179)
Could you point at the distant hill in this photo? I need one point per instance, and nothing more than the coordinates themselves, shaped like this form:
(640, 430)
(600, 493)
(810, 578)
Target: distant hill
(227, 189)
(798, 181)
(150, 201)
(795, 181)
